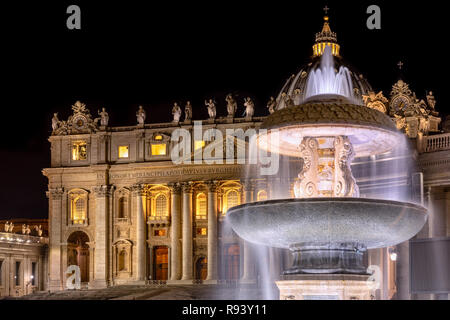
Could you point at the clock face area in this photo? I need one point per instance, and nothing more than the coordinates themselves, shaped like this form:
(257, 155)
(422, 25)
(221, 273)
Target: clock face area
(400, 103)
(79, 122)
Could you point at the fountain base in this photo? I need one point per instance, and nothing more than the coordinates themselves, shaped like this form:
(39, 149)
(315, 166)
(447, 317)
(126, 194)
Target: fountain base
(326, 287)
(328, 258)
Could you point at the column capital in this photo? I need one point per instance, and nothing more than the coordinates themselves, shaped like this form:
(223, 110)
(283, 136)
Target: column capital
(187, 187)
(56, 193)
(103, 191)
(212, 185)
(174, 187)
(138, 189)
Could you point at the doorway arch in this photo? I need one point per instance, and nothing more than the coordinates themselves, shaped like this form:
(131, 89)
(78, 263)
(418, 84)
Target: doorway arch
(160, 263)
(232, 262)
(201, 268)
(78, 253)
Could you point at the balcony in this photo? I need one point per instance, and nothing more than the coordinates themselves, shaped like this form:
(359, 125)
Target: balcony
(439, 142)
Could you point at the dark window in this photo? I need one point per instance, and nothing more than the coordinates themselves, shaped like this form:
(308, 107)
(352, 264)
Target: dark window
(17, 275)
(33, 273)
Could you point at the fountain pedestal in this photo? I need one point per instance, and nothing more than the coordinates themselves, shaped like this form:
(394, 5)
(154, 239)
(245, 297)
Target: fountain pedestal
(326, 287)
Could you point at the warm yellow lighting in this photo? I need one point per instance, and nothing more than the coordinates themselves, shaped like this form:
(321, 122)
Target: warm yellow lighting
(230, 199)
(123, 151)
(202, 231)
(78, 206)
(160, 207)
(79, 151)
(199, 144)
(262, 195)
(200, 206)
(159, 149)
(158, 137)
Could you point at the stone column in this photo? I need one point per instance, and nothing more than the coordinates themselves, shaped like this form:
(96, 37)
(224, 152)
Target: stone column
(187, 231)
(175, 252)
(248, 274)
(101, 253)
(140, 202)
(212, 232)
(56, 274)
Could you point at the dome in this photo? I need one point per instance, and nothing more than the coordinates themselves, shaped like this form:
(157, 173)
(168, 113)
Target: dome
(296, 89)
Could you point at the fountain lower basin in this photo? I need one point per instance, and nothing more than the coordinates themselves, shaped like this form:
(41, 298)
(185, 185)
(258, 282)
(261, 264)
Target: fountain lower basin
(327, 235)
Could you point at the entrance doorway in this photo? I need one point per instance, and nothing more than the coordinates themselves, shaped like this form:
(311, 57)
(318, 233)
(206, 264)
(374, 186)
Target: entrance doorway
(201, 269)
(78, 253)
(232, 262)
(160, 263)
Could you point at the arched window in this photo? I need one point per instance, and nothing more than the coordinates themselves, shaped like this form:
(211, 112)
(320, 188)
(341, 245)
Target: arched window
(231, 199)
(200, 206)
(123, 260)
(78, 210)
(123, 208)
(262, 195)
(161, 206)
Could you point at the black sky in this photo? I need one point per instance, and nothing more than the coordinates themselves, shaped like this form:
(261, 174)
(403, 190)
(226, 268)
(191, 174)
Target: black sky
(156, 52)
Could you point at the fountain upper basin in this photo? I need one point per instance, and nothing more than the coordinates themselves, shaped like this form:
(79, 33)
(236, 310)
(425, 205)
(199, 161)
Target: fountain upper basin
(290, 222)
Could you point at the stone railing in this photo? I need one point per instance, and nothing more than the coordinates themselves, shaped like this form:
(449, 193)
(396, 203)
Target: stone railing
(21, 238)
(438, 142)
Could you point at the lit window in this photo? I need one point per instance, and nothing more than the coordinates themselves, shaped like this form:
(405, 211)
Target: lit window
(200, 212)
(79, 151)
(78, 210)
(159, 149)
(159, 207)
(201, 231)
(158, 137)
(160, 233)
(199, 144)
(123, 151)
(262, 195)
(231, 199)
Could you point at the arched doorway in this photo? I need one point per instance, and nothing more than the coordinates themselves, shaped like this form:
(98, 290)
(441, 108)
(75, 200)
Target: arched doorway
(232, 262)
(160, 263)
(201, 268)
(78, 253)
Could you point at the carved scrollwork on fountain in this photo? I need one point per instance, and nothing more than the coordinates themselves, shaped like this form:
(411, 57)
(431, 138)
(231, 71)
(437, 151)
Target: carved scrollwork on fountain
(306, 185)
(345, 183)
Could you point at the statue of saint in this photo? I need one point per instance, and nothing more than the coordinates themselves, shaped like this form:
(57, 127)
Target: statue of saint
(231, 105)
(271, 105)
(7, 226)
(211, 105)
(55, 121)
(24, 229)
(249, 107)
(188, 111)
(141, 115)
(431, 100)
(176, 112)
(104, 117)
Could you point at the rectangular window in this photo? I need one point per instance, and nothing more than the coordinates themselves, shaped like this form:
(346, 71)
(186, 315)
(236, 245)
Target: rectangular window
(160, 233)
(201, 231)
(199, 144)
(1, 272)
(33, 273)
(17, 274)
(159, 149)
(123, 151)
(79, 151)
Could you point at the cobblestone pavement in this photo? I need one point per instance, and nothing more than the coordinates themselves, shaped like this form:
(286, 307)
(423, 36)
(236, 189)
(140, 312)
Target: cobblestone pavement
(165, 292)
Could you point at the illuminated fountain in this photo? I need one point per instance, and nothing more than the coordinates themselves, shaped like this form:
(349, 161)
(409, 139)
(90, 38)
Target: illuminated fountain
(327, 227)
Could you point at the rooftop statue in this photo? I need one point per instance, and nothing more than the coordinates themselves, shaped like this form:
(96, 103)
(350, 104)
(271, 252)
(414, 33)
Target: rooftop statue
(231, 105)
(55, 121)
(249, 107)
(188, 111)
(271, 105)
(211, 105)
(431, 100)
(104, 117)
(141, 115)
(176, 112)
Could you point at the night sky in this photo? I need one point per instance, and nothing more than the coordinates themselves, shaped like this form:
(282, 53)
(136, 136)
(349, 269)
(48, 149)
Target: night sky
(157, 52)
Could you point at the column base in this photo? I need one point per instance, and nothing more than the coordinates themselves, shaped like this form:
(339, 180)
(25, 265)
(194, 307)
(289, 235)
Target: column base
(210, 281)
(247, 281)
(326, 287)
(98, 284)
(180, 282)
(55, 285)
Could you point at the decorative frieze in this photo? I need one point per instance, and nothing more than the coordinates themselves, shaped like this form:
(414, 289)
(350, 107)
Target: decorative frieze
(103, 191)
(56, 193)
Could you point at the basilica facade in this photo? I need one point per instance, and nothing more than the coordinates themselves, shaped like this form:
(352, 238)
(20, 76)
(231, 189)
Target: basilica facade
(123, 211)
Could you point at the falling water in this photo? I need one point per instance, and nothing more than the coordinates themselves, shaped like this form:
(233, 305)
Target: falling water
(326, 81)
